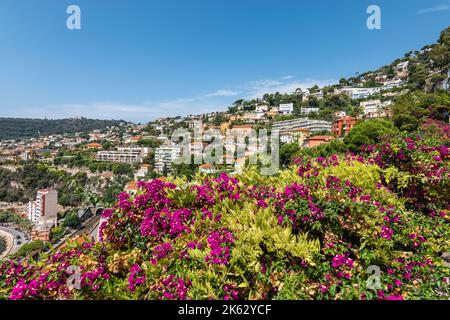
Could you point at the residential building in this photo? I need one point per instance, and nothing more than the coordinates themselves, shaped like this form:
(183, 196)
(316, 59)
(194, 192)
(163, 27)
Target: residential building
(143, 170)
(360, 93)
(207, 168)
(294, 136)
(93, 145)
(375, 108)
(123, 155)
(317, 140)
(445, 85)
(25, 156)
(286, 137)
(165, 155)
(391, 84)
(241, 130)
(370, 107)
(307, 111)
(318, 95)
(45, 207)
(42, 230)
(342, 126)
(196, 148)
(302, 123)
(250, 117)
(8, 157)
(261, 108)
(131, 187)
(272, 113)
(286, 108)
(340, 114)
(401, 70)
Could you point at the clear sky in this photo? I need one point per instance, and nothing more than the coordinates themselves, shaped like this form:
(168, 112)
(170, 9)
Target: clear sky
(142, 59)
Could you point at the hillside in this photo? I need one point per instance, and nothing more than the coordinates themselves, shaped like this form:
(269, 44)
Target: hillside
(14, 128)
(311, 232)
(365, 218)
(423, 70)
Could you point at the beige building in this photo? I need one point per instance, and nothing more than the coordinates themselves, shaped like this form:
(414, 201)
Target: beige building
(45, 207)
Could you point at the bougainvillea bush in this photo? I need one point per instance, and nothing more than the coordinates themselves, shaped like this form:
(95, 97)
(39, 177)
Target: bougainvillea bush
(321, 229)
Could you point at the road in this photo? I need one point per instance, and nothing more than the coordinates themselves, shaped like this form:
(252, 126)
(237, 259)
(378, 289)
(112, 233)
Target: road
(19, 239)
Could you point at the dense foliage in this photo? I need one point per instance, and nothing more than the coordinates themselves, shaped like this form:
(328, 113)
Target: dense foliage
(74, 190)
(14, 128)
(7, 217)
(311, 232)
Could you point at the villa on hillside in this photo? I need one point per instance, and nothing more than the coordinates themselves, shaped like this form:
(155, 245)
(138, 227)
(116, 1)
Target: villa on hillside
(317, 140)
(207, 168)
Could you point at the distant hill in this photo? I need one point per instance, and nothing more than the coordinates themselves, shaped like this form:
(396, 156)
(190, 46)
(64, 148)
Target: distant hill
(13, 128)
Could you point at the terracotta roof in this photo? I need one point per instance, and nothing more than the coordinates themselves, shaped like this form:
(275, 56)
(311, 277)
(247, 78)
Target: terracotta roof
(321, 138)
(93, 145)
(207, 166)
(132, 185)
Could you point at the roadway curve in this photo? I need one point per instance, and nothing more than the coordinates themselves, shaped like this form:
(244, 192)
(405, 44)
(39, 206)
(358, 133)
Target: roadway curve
(9, 242)
(14, 240)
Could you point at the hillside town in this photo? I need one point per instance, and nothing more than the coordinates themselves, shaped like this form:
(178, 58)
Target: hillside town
(307, 118)
(54, 186)
(217, 152)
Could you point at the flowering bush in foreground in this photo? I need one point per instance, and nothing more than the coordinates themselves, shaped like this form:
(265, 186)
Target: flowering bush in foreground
(310, 232)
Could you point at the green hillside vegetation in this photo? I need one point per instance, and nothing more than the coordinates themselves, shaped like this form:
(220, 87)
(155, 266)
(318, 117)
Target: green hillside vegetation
(14, 128)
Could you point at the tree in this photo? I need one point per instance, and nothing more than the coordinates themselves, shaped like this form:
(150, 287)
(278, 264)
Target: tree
(57, 233)
(287, 151)
(33, 247)
(410, 110)
(71, 220)
(444, 38)
(418, 74)
(368, 133)
(324, 150)
(152, 143)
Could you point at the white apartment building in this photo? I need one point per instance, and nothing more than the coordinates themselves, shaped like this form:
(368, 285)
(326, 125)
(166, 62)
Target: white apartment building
(45, 207)
(391, 84)
(261, 108)
(142, 171)
(165, 155)
(123, 155)
(302, 123)
(445, 85)
(207, 168)
(402, 69)
(307, 111)
(340, 114)
(286, 108)
(374, 108)
(286, 137)
(196, 148)
(361, 93)
(370, 106)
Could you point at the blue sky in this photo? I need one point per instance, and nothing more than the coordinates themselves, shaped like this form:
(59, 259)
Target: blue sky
(139, 60)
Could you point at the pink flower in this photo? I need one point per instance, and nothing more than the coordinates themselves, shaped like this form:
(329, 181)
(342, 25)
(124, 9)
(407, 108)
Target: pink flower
(324, 288)
(386, 232)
